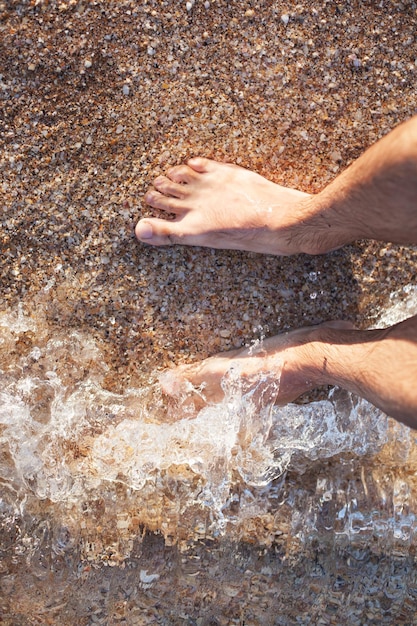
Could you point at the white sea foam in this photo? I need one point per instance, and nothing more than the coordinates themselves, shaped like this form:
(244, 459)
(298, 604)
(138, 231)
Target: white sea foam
(42, 412)
(403, 305)
(64, 436)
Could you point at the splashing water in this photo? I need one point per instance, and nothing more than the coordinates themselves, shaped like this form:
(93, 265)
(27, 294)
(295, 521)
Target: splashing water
(403, 305)
(65, 438)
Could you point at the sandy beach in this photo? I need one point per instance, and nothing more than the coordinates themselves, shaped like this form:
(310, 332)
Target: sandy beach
(97, 98)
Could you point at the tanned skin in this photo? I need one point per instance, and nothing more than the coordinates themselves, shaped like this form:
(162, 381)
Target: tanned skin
(225, 206)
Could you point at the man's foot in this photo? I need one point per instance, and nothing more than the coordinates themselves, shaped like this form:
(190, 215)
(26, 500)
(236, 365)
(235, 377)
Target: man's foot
(219, 205)
(291, 359)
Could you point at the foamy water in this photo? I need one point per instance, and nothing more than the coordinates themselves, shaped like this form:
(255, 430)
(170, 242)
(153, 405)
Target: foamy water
(66, 439)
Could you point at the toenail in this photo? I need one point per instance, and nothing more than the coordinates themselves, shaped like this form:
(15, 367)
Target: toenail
(144, 231)
(149, 196)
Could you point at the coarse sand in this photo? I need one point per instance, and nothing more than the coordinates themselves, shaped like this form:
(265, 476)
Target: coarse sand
(96, 99)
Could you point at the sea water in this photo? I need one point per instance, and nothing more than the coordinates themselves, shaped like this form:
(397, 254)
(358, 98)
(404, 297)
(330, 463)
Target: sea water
(97, 469)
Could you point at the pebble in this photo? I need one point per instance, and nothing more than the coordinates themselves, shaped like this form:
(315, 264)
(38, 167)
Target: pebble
(164, 157)
(119, 129)
(336, 156)
(87, 63)
(285, 18)
(126, 90)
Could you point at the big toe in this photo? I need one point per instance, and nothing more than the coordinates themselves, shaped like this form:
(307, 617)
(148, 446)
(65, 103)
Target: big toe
(156, 232)
(144, 230)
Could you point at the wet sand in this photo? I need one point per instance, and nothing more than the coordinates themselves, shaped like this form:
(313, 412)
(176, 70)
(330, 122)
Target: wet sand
(97, 98)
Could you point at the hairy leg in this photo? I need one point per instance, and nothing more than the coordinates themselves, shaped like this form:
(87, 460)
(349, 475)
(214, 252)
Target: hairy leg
(379, 365)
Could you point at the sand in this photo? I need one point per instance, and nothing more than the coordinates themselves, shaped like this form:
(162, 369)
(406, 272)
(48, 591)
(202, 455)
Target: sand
(97, 98)
(297, 102)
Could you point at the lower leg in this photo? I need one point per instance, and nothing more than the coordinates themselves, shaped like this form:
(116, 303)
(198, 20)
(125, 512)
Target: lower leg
(379, 365)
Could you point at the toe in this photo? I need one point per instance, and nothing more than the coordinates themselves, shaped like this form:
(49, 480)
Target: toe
(201, 164)
(158, 200)
(181, 174)
(172, 383)
(157, 232)
(170, 188)
(144, 230)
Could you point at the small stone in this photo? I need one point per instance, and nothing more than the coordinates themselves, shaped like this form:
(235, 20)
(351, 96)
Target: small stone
(189, 6)
(354, 60)
(285, 18)
(164, 157)
(87, 63)
(32, 67)
(207, 4)
(89, 140)
(119, 129)
(126, 90)
(151, 51)
(250, 13)
(225, 333)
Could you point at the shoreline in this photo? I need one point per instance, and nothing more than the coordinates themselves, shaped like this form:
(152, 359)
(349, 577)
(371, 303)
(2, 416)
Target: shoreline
(98, 98)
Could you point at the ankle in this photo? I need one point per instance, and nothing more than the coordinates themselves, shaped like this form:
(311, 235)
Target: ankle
(302, 364)
(347, 358)
(320, 229)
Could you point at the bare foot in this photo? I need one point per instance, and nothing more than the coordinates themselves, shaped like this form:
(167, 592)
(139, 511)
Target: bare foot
(291, 359)
(219, 205)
